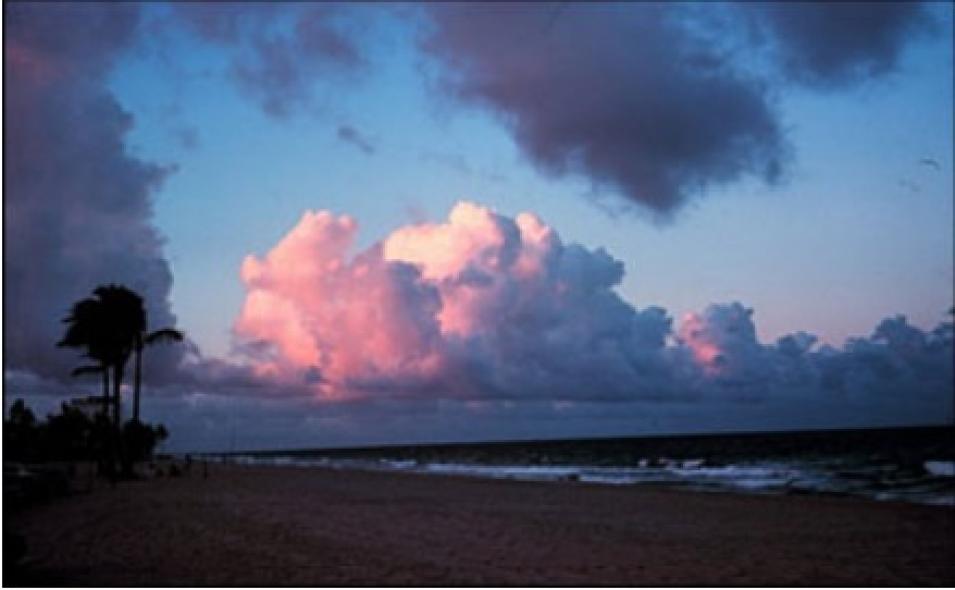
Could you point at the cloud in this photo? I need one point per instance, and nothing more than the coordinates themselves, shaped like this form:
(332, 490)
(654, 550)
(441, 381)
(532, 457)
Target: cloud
(479, 306)
(897, 359)
(610, 92)
(835, 44)
(723, 344)
(277, 52)
(655, 101)
(484, 326)
(898, 364)
(77, 204)
(486, 307)
(349, 134)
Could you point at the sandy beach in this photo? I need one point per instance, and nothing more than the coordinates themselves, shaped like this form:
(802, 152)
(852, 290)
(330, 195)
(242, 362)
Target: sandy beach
(285, 526)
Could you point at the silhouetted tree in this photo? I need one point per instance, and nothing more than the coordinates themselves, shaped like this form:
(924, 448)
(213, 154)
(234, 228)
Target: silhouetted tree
(21, 416)
(68, 434)
(20, 435)
(141, 439)
(124, 320)
(108, 326)
(71, 435)
(85, 329)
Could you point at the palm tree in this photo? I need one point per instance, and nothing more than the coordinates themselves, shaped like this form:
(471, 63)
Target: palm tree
(85, 331)
(107, 325)
(144, 339)
(111, 325)
(124, 319)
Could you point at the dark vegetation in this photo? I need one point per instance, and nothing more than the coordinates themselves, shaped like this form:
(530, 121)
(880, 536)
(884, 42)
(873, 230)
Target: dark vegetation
(72, 435)
(110, 329)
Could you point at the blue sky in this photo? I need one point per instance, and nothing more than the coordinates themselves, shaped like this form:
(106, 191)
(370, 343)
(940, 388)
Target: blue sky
(859, 229)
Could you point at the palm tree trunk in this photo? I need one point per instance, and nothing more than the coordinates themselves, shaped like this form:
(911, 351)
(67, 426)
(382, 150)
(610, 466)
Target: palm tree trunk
(105, 461)
(117, 416)
(137, 379)
(105, 390)
(117, 382)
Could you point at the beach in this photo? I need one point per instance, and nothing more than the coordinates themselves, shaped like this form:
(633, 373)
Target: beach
(279, 526)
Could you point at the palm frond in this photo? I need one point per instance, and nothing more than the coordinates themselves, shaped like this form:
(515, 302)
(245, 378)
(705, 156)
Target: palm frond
(164, 335)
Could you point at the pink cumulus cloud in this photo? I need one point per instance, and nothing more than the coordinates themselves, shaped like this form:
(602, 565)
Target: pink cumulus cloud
(335, 318)
(482, 307)
(479, 303)
(722, 338)
(473, 259)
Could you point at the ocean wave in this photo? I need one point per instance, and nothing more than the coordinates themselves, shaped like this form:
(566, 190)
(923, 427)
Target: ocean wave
(940, 468)
(886, 482)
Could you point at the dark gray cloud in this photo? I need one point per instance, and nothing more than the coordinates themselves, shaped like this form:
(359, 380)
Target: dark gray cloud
(349, 134)
(838, 43)
(77, 205)
(650, 100)
(277, 51)
(621, 94)
(655, 100)
(898, 359)
(897, 364)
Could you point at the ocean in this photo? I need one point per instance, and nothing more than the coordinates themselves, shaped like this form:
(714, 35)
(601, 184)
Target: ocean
(892, 464)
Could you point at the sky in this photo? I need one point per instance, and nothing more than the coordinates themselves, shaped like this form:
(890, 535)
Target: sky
(400, 222)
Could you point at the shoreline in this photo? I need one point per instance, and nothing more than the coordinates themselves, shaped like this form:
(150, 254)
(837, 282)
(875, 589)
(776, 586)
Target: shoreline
(592, 475)
(255, 525)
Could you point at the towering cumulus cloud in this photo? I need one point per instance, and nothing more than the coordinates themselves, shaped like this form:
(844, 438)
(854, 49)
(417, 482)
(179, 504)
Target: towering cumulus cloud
(77, 206)
(485, 307)
(481, 305)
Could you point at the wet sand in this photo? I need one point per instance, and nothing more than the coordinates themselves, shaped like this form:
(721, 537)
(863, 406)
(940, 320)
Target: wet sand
(286, 526)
